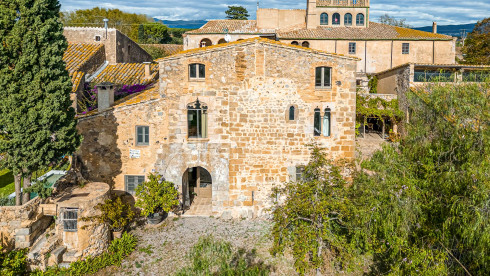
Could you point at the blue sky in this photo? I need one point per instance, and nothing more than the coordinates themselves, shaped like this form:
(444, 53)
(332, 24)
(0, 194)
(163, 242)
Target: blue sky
(417, 12)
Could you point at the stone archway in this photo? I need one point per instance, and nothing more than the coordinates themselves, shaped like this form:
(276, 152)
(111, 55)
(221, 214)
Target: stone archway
(205, 43)
(197, 191)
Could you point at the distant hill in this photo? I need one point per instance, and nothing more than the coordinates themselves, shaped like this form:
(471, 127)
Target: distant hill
(452, 30)
(185, 24)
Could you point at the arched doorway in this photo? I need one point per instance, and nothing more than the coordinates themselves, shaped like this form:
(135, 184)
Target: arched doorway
(197, 186)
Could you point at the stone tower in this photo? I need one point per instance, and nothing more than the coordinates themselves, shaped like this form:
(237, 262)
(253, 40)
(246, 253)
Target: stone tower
(337, 13)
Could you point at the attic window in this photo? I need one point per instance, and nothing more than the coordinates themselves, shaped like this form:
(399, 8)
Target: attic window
(305, 44)
(97, 38)
(69, 218)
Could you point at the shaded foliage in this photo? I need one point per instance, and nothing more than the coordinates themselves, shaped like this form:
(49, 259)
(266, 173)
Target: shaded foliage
(477, 45)
(13, 263)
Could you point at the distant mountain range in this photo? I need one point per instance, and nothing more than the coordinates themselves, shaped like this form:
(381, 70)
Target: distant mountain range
(185, 24)
(452, 30)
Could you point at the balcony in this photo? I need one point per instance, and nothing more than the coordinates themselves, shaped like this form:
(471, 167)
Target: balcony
(342, 3)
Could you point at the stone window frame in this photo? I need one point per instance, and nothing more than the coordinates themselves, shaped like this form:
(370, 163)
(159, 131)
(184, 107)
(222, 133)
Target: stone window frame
(324, 19)
(348, 16)
(70, 223)
(322, 86)
(333, 19)
(136, 181)
(198, 76)
(360, 19)
(405, 48)
(352, 48)
(146, 133)
(296, 113)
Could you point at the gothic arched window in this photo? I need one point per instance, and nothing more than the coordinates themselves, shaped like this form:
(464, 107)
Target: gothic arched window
(348, 19)
(197, 120)
(336, 19)
(324, 19)
(317, 124)
(360, 19)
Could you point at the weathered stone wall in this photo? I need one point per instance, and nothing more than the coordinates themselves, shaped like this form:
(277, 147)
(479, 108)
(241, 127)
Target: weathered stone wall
(250, 146)
(118, 47)
(192, 41)
(17, 221)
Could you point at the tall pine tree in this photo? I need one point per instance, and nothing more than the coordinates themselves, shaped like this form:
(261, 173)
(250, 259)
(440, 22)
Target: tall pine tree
(37, 120)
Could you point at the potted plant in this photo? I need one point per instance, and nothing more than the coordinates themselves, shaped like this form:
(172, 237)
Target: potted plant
(117, 214)
(156, 197)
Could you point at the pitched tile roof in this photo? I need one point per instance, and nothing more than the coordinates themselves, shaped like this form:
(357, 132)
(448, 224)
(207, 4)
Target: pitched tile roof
(127, 73)
(152, 93)
(253, 40)
(169, 49)
(375, 31)
(231, 26)
(78, 53)
(76, 79)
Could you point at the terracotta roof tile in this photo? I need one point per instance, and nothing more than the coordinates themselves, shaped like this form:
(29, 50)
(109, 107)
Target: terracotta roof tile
(375, 31)
(127, 73)
(78, 53)
(251, 40)
(76, 79)
(231, 26)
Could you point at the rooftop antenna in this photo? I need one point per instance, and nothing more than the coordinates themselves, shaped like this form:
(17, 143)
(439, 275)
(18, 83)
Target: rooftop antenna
(106, 25)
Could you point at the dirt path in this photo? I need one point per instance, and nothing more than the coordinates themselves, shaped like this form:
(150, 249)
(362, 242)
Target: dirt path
(162, 249)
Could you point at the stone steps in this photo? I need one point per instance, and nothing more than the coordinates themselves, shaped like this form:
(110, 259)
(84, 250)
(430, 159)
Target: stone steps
(70, 256)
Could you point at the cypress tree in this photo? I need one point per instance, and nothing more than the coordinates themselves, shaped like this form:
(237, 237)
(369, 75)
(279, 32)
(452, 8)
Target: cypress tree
(37, 120)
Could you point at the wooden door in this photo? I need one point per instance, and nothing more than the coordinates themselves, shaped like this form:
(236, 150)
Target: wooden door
(204, 183)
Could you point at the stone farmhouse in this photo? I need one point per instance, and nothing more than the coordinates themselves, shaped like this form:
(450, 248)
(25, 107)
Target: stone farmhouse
(336, 26)
(225, 123)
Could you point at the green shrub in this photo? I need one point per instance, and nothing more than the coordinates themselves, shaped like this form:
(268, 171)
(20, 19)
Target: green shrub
(41, 189)
(212, 257)
(114, 213)
(156, 195)
(118, 250)
(13, 263)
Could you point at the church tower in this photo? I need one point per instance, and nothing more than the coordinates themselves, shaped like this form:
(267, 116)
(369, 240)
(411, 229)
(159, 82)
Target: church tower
(337, 13)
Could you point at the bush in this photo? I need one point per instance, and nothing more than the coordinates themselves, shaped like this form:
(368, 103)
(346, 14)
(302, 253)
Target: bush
(41, 189)
(156, 195)
(212, 257)
(13, 263)
(115, 213)
(118, 250)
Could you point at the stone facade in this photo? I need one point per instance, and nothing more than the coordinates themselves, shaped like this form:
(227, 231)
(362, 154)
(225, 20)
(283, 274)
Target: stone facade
(118, 47)
(250, 146)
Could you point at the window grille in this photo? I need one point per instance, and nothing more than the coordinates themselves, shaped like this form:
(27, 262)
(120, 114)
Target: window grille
(142, 135)
(323, 77)
(352, 47)
(70, 217)
(132, 181)
(405, 48)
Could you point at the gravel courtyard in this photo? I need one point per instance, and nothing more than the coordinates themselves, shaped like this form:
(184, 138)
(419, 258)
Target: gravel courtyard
(163, 248)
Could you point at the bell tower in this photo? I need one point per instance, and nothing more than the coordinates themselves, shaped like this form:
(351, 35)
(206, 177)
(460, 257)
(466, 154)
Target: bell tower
(337, 13)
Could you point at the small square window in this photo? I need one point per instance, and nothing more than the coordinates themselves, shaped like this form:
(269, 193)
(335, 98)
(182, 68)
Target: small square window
(132, 181)
(69, 218)
(352, 48)
(97, 38)
(405, 48)
(142, 135)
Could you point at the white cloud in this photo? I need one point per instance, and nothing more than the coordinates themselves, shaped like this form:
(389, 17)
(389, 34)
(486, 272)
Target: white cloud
(417, 12)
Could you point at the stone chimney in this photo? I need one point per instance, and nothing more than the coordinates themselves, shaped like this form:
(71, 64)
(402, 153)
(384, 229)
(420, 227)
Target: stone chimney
(105, 95)
(147, 69)
(434, 27)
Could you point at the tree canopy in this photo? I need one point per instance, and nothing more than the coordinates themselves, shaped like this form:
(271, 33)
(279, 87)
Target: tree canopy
(37, 121)
(419, 207)
(237, 13)
(391, 20)
(153, 33)
(477, 46)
